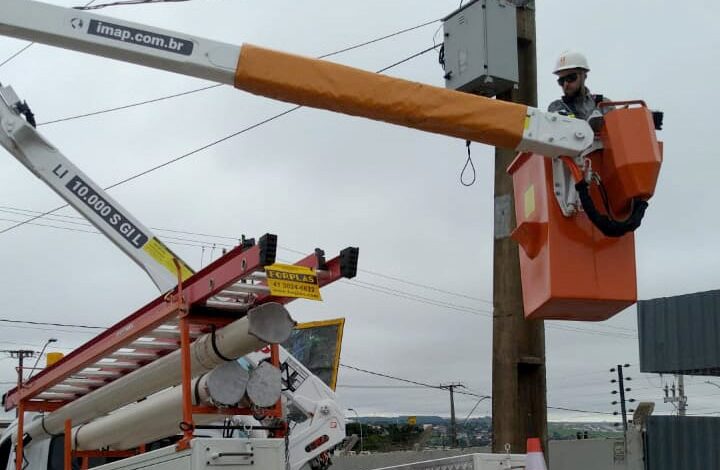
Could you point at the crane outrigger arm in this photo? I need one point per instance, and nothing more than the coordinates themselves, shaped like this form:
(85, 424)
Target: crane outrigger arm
(301, 80)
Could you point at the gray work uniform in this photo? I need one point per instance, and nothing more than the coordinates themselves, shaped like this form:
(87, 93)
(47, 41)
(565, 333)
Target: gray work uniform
(580, 106)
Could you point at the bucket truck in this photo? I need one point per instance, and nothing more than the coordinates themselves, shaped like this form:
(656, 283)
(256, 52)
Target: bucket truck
(565, 167)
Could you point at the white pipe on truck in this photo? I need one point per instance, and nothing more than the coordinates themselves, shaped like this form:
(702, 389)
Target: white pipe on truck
(267, 323)
(160, 415)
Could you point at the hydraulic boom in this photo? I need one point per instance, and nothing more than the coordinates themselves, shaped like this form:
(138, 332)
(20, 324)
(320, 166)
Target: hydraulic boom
(300, 80)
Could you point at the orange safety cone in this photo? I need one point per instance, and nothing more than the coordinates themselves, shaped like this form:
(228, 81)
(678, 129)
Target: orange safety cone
(534, 459)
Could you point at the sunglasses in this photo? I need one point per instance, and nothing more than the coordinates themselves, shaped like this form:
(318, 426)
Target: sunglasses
(570, 78)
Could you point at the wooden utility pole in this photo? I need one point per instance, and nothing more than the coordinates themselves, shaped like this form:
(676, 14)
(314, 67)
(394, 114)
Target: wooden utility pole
(453, 421)
(20, 355)
(519, 408)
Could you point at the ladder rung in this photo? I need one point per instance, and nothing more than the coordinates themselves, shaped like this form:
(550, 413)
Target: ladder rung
(63, 388)
(116, 365)
(236, 306)
(232, 295)
(248, 288)
(154, 345)
(83, 382)
(164, 333)
(134, 356)
(99, 373)
(168, 333)
(56, 396)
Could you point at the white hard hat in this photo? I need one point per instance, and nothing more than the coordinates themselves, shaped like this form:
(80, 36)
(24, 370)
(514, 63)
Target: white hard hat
(571, 60)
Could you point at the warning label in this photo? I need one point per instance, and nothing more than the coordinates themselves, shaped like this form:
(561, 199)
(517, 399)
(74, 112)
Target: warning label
(164, 256)
(286, 280)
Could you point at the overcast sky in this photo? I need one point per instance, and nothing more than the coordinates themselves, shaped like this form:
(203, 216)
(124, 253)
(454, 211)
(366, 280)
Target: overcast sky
(318, 179)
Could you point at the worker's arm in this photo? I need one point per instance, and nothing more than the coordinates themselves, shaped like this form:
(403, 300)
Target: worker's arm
(300, 80)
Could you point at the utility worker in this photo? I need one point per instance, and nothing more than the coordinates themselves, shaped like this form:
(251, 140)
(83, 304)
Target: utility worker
(577, 101)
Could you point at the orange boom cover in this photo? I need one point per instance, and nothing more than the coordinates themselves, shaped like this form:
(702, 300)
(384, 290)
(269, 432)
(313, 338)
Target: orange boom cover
(326, 85)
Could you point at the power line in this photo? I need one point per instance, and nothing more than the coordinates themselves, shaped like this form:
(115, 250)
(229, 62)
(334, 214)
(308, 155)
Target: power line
(127, 106)
(379, 374)
(415, 297)
(384, 387)
(372, 41)
(440, 387)
(579, 411)
(16, 54)
(418, 54)
(422, 384)
(64, 325)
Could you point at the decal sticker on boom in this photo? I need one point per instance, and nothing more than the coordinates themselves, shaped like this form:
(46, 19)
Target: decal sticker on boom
(165, 257)
(107, 212)
(140, 37)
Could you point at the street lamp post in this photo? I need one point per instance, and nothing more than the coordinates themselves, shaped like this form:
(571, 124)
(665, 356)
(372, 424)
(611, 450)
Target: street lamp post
(360, 423)
(32, 371)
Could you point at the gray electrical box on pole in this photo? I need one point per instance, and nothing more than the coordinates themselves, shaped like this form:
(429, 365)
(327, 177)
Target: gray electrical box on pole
(480, 48)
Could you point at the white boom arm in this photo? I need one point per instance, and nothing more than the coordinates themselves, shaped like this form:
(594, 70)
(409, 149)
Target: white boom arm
(319, 423)
(301, 80)
(19, 138)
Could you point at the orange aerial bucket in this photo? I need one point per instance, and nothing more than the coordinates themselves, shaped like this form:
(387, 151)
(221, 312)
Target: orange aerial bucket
(569, 269)
(581, 265)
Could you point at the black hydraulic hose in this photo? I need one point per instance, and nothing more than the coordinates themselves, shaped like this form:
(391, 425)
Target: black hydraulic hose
(608, 226)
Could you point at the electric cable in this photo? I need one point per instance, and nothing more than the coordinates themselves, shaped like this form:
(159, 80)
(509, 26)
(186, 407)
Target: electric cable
(382, 38)
(94, 232)
(416, 387)
(407, 59)
(390, 291)
(125, 2)
(64, 325)
(379, 374)
(472, 167)
(132, 105)
(27, 46)
(461, 392)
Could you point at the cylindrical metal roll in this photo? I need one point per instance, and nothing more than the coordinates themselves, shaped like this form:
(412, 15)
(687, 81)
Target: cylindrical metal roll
(160, 415)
